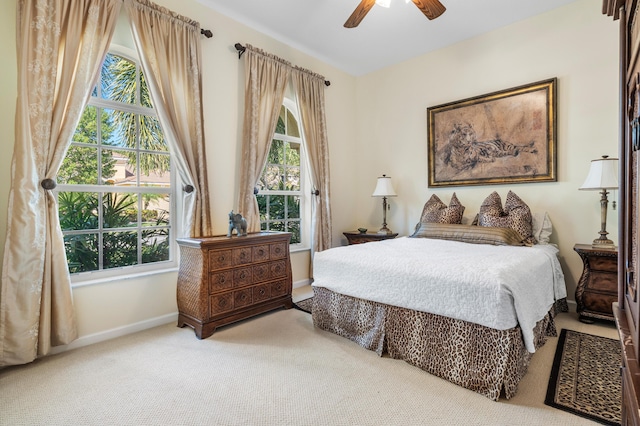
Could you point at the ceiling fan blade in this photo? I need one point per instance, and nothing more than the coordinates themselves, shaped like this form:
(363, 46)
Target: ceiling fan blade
(431, 8)
(363, 8)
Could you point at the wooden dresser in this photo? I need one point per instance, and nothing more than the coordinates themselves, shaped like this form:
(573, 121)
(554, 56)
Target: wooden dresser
(226, 279)
(597, 288)
(627, 308)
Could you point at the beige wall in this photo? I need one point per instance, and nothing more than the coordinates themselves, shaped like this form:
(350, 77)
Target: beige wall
(576, 44)
(377, 124)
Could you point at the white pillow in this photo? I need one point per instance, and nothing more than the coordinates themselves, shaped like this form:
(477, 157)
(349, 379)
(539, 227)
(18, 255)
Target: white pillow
(542, 227)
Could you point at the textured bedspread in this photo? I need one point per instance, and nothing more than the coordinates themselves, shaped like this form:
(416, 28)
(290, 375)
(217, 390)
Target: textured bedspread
(495, 286)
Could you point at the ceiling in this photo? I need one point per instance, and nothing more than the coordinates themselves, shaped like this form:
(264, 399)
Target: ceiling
(385, 36)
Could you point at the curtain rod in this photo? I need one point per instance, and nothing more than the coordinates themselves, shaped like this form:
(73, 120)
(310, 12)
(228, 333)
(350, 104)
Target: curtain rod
(241, 49)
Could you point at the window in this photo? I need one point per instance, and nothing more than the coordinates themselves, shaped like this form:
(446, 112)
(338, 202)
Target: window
(115, 184)
(281, 200)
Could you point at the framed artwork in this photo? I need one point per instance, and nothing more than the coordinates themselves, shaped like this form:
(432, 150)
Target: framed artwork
(503, 137)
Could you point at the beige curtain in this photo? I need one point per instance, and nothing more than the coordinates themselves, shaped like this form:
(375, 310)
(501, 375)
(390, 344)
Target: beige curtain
(309, 88)
(266, 79)
(169, 48)
(60, 45)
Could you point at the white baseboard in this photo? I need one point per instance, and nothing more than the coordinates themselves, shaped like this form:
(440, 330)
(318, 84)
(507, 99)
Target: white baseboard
(116, 332)
(302, 283)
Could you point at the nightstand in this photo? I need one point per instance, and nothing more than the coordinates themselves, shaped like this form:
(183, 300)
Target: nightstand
(598, 285)
(356, 237)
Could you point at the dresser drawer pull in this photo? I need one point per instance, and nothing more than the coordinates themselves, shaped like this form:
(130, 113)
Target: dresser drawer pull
(243, 275)
(262, 292)
(260, 252)
(221, 279)
(221, 258)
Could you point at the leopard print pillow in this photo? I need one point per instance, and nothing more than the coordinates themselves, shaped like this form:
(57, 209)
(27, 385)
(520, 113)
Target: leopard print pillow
(435, 211)
(515, 215)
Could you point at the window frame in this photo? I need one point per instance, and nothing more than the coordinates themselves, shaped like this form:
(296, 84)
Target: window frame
(304, 192)
(173, 226)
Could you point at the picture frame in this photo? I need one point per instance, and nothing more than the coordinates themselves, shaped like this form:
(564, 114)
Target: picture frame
(502, 137)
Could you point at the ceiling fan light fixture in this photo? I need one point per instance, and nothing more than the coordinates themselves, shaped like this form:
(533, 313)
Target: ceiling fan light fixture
(383, 3)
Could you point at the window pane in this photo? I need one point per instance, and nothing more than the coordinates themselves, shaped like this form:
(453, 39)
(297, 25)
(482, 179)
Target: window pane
(78, 210)
(294, 228)
(277, 226)
(155, 245)
(280, 126)
(145, 96)
(119, 210)
(82, 252)
(276, 207)
(262, 206)
(155, 209)
(293, 207)
(119, 249)
(293, 154)
(292, 125)
(118, 79)
(121, 167)
(118, 128)
(272, 179)
(263, 226)
(276, 152)
(293, 179)
(154, 170)
(79, 167)
(87, 130)
(151, 136)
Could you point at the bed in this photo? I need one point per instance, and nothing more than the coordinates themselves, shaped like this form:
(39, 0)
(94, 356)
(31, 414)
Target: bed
(462, 302)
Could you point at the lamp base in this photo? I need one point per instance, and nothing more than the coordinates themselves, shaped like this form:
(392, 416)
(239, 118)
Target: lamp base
(603, 243)
(385, 231)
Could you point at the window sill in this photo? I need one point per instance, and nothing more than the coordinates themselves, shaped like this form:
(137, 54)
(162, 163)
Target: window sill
(122, 277)
(293, 249)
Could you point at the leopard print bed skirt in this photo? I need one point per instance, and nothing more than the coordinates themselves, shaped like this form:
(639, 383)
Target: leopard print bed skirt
(485, 360)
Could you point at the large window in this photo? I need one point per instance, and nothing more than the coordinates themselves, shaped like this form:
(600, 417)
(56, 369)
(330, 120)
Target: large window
(281, 200)
(115, 186)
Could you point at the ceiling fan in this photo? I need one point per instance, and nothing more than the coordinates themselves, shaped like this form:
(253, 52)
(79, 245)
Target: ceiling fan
(431, 9)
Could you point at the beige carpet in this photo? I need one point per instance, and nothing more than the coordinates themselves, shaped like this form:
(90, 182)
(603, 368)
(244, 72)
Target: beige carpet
(276, 369)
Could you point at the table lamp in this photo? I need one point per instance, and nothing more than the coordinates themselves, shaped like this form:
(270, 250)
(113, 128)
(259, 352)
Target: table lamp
(602, 175)
(384, 189)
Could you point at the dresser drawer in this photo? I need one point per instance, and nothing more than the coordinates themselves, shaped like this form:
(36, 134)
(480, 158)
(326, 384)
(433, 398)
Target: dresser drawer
(220, 259)
(220, 303)
(220, 281)
(606, 264)
(241, 256)
(278, 251)
(278, 269)
(260, 253)
(261, 292)
(242, 277)
(279, 288)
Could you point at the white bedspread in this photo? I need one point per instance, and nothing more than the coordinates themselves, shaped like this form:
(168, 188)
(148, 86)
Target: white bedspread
(495, 286)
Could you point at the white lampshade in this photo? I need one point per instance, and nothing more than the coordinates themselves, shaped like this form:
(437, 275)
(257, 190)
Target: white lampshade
(603, 174)
(383, 3)
(384, 188)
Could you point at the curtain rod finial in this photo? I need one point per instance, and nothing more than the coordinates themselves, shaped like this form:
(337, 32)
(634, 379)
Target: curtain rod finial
(206, 33)
(240, 48)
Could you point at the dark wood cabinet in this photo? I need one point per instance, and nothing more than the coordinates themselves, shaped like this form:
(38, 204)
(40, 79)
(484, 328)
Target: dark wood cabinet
(357, 237)
(226, 279)
(597, 288)
(626, 310)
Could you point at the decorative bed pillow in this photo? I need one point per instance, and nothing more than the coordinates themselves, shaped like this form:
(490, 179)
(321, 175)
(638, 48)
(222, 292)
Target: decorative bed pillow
(515, 215)
(541, 227)
(435, 211)
(470, 234)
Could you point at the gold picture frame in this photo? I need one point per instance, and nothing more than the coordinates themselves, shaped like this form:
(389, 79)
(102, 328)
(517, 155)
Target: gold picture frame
(502, 137)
